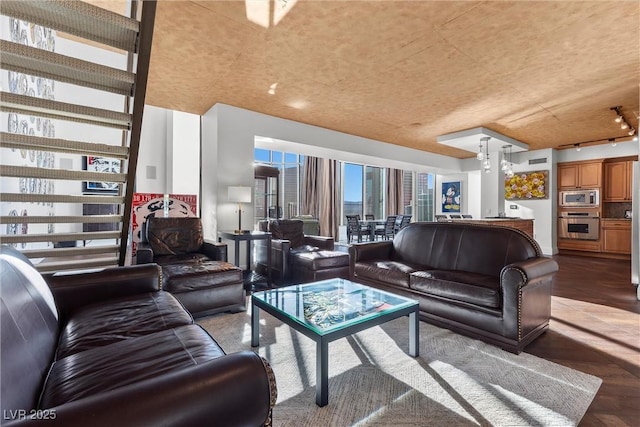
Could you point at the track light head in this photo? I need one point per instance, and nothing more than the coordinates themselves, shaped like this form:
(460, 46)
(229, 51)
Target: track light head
(618, 119)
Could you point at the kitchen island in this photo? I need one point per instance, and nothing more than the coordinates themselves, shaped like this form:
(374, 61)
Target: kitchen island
(525, 225)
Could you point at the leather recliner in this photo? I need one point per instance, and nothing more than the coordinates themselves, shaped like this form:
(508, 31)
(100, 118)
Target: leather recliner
(194, 271)
(299, 258)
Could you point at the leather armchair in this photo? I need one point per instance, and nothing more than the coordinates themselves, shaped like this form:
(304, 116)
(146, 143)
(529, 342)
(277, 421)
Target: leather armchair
(194, 271)
(176, 240)
(287, 240)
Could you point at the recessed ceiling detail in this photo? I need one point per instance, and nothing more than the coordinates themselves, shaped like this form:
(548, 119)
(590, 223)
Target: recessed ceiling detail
(469, 140)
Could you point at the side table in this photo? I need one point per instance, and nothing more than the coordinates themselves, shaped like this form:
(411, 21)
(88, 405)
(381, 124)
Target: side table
(249, 238)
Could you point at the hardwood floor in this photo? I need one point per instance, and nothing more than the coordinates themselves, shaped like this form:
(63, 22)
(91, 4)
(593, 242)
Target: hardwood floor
(595, 328)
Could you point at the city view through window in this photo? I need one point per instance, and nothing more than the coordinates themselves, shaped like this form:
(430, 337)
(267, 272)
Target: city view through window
(363, 189)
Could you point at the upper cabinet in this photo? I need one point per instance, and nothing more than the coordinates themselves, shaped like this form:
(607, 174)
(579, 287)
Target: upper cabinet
(617, 181)
(580, 175)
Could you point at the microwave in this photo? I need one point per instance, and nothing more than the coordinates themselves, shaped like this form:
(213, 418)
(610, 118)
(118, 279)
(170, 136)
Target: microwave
(580, 198)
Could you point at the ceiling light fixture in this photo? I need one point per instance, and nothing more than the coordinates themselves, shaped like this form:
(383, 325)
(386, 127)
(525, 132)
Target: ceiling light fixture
(624, 124)
(484, 158)
(578, 148)
(506, 163)
(613, 142)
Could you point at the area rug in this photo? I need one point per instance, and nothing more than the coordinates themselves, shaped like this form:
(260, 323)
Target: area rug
(456, 381)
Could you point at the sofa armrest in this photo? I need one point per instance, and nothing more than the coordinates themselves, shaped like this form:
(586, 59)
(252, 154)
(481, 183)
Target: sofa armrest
(526, 292)
(215, 250)
(76, 289)
(370, 251)
(323, 242)
(525, 273)
(279, 257)
(144, 253)
(233, 390)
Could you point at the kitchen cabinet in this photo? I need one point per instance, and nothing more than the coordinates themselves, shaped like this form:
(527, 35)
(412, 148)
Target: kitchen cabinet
(580, 175)
(579, 245)
(617, 181)
(616, 236)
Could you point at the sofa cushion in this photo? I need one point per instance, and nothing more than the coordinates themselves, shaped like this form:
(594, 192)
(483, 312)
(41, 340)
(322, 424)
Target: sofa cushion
(304, 248)
(393, 272)
(127, 362)
(189, 277)
(477, 289)
(320, 260)
(192, 258)
(172, 236)
(98, 325)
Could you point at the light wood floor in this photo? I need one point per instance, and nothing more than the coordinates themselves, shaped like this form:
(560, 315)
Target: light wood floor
(595, 328)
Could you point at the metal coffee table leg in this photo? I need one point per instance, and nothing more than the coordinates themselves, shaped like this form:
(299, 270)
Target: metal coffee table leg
(322, 372)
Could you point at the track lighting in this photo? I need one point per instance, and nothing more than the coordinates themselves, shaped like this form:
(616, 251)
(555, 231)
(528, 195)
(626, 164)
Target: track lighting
(623, 122)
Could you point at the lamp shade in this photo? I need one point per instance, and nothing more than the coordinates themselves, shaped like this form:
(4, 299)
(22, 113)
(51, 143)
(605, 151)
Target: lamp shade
(240, 194)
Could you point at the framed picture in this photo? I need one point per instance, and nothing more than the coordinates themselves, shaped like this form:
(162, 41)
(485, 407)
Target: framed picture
(100, 164)
(451, 197)
(527, 186)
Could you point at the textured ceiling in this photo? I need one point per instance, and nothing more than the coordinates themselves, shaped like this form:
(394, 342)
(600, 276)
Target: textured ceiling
(544, 73)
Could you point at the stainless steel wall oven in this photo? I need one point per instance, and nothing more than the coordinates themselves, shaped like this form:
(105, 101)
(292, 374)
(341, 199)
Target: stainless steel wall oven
(579, 225)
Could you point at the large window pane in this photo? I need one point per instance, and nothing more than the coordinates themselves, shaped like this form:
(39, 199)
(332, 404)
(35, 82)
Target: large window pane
(407, 192)
(290, 189)
(352, 189)
(425, 196)
(374, 192)
(261, 155)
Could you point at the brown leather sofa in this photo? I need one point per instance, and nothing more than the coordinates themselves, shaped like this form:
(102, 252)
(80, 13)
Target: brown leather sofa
(194, 271)
(108, 348)
(491, 283)
(299, 258)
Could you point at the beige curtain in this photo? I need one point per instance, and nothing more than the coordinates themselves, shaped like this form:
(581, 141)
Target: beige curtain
(311, 187)
(395, 193)
(330, 198)
(321, 193)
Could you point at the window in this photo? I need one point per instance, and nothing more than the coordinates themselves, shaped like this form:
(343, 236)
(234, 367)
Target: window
(290, 166)
(407, 192)
(425, 196)
(352, 198)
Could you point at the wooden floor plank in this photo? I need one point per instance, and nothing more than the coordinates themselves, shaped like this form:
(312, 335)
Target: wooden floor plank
(595, 328)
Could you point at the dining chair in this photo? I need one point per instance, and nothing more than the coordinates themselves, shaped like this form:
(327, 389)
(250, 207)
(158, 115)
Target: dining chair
(406, 219)
(355, 228)
(388, 231)
(467, 216)
(369, 217)
(455, 216)
(441, 218)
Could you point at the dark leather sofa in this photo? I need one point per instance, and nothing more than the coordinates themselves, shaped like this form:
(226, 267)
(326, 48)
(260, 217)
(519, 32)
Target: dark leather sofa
(194, 271)
(108, 348)
(297, 257)
(490, 283)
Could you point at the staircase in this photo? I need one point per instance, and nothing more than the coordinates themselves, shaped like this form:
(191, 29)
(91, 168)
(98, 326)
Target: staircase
(70, 235)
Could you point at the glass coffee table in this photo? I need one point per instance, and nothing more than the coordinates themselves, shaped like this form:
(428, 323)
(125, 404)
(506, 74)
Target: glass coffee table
(329, 310)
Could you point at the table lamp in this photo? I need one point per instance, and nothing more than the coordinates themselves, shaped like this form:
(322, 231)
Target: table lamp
(240, 195)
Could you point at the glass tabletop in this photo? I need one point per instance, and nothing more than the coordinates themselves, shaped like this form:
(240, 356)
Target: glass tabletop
(332, 304)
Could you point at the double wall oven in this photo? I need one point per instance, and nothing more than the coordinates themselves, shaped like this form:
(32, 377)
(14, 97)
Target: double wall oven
(579, 215)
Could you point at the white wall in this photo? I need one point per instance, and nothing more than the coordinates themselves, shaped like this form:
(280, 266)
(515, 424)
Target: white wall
(169, 143)
(153, 151)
